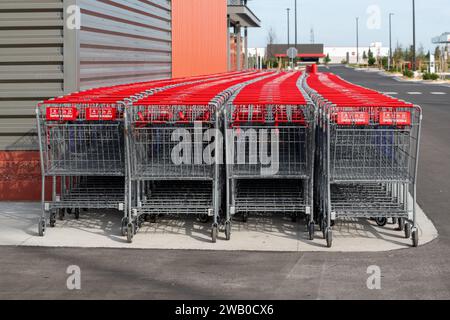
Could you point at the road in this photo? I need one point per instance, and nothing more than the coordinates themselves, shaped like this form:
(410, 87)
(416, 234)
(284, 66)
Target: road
(421, 273)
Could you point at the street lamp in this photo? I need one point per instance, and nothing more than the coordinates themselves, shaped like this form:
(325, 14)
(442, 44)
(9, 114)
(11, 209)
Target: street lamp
(390, 41)
(296, 24)
(288, 26)
(414, 35)
(357, 40)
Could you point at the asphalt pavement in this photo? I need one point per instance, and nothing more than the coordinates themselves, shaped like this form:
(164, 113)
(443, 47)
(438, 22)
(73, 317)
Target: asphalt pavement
(415, 273)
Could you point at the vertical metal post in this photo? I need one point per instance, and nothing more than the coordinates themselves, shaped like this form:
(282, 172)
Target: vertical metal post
(296, 24)
(239, 47)
(414, 36)
(71, 50)
(357, 40)
(228, 44)
(246, 47)
(390, 41)
(288, 28)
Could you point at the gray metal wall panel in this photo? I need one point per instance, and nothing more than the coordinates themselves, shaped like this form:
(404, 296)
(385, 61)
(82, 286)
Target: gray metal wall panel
(31, 69)
(124, 41)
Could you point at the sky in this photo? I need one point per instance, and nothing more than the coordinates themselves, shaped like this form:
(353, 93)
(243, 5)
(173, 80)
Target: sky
(334, 21)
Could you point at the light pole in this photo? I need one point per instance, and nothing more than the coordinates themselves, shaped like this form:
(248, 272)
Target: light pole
(414, 36)
(296, 24)
(390, 41)
(357, 40)
(288, 30)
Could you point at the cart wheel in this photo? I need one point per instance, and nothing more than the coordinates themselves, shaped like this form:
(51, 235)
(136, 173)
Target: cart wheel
(324, 229)
(415, 237)
(130, 232)
(294, 218)
(381, 221)
(69, 210)
(53, 219)
(77, 214)
(244, 217)
(408, 228)
(311, 228)
(61, 214)
(214, 232)
(228, 230)
(203, 218)
(123, 227)
(41, 227)
(329, 237)
(401, 224)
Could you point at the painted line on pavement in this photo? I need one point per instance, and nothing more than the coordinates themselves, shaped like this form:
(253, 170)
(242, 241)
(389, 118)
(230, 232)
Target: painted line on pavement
(440, 93)
(414, 93)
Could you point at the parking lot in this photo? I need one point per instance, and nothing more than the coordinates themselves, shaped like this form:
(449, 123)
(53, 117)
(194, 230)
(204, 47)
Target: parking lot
(237, 270)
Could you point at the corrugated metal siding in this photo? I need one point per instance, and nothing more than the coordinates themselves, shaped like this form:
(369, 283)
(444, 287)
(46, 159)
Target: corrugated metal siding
(31, 66)
(124, 41)
(199, 37)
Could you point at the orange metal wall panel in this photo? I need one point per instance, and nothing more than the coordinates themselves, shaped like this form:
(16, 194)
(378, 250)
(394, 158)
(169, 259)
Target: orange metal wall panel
(199, 37)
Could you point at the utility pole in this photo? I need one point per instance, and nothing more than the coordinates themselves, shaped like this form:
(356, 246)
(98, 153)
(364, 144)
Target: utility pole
(414, 36)
(390, 41)
(288, 28)
(357, 40)
(296, 24)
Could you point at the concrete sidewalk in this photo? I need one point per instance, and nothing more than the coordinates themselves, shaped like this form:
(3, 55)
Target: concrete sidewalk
(18, 227)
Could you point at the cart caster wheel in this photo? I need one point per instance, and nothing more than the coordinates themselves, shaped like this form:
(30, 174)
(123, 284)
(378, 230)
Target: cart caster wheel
(61, 214)
(294, 218)
(69, 211)
(52, 220)
(401, 224)
(77, 214)
(408, 230)
(214, 232)
(41, 227)
(123, 227)
(329, 237)
(311, 228)
(245, 218)
(203, 218)
(130, 232)
(228, 230)
(415, 237)
(381, 222)
(324, 230)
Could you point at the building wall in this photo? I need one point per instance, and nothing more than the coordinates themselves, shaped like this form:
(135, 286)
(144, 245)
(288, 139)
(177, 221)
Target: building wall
(337, 54)
(199, 33)
(120, 41)
(124, 41)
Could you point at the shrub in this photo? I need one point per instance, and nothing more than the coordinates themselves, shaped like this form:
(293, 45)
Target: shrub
(408, 73)
(430, 76)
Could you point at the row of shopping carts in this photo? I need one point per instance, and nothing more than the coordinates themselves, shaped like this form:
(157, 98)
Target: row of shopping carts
(82, 146)
(368, 148)
(242, 143)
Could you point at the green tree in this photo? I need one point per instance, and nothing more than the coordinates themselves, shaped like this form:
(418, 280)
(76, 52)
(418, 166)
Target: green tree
(327, 59)
(371, 60)
(364, 55)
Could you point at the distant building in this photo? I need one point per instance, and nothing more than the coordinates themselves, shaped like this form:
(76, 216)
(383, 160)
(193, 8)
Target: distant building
(340, 54)
(306, 52)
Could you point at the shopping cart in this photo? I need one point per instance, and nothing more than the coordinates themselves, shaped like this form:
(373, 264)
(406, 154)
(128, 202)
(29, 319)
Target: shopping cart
(270, 150)
(369, 154)
(167, 135)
